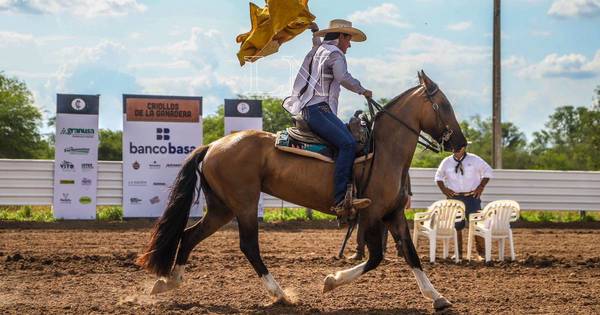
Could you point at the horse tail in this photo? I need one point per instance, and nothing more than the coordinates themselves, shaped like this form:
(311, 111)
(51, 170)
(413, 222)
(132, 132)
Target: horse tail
(160, 252)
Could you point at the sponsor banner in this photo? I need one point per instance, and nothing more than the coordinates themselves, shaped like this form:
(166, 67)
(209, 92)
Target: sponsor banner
(158, 134)
(241, 115)
(76, 156)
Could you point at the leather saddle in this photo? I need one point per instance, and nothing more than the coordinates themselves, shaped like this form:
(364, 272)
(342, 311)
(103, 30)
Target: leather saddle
(301, 140)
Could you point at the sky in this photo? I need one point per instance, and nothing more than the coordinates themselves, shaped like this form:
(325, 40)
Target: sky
(550, 52)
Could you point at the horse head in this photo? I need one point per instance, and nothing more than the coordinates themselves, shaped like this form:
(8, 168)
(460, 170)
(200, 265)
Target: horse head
(437, 116)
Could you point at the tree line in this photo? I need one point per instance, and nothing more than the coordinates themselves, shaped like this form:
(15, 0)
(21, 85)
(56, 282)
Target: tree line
(570, 139)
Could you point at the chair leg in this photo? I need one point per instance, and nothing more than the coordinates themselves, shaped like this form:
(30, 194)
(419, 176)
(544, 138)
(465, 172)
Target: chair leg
(456, 258)
(512, 245)
(469, 243)
(415, 237)
(432, 244)
(488, 247)
(501, 249)
(446, 245)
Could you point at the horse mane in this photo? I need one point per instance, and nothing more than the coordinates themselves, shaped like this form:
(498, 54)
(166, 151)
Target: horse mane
(403, 94)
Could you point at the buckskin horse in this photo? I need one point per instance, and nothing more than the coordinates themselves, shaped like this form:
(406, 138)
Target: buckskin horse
(236, 168)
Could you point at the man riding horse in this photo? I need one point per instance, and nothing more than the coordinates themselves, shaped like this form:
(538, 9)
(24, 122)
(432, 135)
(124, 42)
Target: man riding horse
(315, 97)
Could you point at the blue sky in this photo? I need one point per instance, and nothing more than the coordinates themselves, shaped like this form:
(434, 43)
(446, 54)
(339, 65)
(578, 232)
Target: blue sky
(551, 51)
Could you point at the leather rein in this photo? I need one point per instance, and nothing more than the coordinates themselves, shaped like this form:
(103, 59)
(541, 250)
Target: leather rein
(376, 110)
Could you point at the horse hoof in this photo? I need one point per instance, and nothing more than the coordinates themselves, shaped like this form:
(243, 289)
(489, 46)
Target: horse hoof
(441, 303)
(329, 283)
(160, 286)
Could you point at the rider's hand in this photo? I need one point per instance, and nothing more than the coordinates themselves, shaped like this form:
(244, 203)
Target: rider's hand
(368, 94)
(448, 192)
(313, 27)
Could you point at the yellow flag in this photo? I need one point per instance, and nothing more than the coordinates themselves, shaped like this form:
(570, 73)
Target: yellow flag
(276, 23)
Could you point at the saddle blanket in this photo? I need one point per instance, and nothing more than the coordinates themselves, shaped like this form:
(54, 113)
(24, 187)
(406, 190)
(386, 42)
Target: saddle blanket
(321, 152)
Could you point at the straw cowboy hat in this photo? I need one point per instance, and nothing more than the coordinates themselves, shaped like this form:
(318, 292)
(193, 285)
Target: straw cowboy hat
(343, 26)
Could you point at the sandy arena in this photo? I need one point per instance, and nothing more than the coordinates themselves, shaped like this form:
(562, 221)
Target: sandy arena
(83, 268)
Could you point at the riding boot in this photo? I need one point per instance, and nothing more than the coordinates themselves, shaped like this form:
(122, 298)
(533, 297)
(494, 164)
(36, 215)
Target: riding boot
(347, 208)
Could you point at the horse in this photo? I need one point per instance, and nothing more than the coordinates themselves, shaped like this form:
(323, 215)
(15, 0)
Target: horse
(235, 169)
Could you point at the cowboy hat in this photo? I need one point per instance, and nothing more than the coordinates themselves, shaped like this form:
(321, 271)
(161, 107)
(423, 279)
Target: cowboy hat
(343, 26)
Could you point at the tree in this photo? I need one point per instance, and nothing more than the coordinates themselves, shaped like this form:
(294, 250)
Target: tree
(111, 146)
(213, 127)
(570, 140)
(20, 120)
(275, 117)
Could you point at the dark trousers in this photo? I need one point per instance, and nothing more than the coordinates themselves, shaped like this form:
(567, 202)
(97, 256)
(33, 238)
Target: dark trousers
(328, 126)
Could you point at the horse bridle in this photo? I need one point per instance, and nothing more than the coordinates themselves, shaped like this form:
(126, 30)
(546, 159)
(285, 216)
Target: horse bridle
(436, 147)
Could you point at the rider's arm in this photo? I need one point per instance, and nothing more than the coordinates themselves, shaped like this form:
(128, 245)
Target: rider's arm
(340, 73)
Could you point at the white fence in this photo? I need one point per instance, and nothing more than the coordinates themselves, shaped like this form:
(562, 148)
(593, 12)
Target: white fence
(29, 182)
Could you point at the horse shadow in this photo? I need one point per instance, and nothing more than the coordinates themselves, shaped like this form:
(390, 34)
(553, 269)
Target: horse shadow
(299, 309)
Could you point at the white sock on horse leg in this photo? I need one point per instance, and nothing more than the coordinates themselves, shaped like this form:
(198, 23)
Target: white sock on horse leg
(272, 286)
(425, 285)
(349, 275)
(177, 273)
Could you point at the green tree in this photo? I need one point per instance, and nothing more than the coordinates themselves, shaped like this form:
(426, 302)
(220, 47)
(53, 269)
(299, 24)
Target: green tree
(20, 120)
(212, 125)
(570, 140)
(111, 146)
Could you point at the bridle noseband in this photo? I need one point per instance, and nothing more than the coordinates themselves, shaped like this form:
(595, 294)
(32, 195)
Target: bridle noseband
(441, 123)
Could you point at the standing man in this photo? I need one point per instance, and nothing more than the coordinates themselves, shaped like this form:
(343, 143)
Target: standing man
(315, 96)
(463, 176)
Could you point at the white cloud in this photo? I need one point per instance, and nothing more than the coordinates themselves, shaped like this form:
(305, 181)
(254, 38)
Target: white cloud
(460, 26)
(514, 62)
(575, 8)
(82, 8)
(540, 33)
(386, 13)
(573, 66)
(15, 38)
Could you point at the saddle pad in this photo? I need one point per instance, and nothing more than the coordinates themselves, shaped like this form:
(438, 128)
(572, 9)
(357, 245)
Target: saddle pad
(321, 152)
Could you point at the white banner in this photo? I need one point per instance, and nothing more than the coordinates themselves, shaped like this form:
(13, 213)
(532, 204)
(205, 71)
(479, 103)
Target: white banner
(244, 115)
(158, 134)
(76, 157)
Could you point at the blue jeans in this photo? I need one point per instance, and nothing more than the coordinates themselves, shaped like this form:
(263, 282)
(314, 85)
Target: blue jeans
(328, 126)
(472, 205)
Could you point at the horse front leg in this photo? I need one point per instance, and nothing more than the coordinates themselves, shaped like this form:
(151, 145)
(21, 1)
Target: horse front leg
(398, 227)
(248, 228)
(373, 237)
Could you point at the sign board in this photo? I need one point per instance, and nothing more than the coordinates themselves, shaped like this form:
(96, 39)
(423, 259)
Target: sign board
(158, 134)
(244, 115)
(76, 156)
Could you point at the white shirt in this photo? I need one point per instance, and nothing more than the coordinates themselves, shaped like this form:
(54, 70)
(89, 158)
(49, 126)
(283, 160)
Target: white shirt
(329, 71)
(475, 169)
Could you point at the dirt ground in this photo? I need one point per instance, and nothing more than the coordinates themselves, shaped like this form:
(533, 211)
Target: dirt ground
(87, 268)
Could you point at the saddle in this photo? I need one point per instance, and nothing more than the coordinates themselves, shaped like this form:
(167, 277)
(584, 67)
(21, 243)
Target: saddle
(302, 141)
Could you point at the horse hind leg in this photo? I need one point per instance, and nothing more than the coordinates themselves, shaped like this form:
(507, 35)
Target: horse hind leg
(373, 238)
(217, 215)
(248, 229)
(398, 227)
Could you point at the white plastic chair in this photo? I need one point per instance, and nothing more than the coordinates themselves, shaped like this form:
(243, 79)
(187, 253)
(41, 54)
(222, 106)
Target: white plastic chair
(438, 223)
(493, 222)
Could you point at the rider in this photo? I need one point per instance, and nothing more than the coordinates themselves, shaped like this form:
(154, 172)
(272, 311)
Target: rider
(315, 95)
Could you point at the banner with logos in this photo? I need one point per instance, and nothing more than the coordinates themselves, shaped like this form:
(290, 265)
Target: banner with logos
(158, 134)
(244, 115)
(76, 156)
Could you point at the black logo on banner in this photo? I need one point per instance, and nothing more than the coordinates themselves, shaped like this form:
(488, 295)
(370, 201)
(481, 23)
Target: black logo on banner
(135, 201)
(154, 166)
(78, 132)
(159, 184)
(87, 166)
(137, 183)
(163, 134)
(77, 151)
(67, 166)
(136, 165)
(173, 165)
(65, 199)
(155, 200)
(86, 181)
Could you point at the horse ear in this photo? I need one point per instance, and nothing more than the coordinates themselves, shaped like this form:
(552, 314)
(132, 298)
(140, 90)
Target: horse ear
(420, 76)
(429, 85)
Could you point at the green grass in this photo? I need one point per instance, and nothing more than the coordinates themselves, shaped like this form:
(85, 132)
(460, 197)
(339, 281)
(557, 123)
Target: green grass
(115, 213)
(293, 214)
